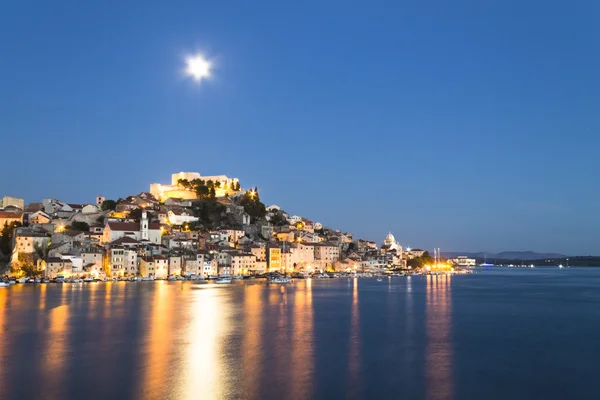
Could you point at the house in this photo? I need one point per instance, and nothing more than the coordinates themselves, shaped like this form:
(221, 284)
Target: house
(175, 265)
(126, 242)
(92, 256)
(39, 217)
(260, 252)
(464, 261)
(180, 217)
(273, 257)
(90, 209)
(154, 267)
(294, 219)
(27, 241)
(8, 218)
(327, 253)
(55, 266)
(142, 231)
(122, 261)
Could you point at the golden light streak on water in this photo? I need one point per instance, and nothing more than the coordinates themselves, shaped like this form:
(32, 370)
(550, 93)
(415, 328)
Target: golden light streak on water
(56, 348)
(253, 339)
(438, 357)
(158, 342)
(354, 342)
(204, 370)
(302, 356)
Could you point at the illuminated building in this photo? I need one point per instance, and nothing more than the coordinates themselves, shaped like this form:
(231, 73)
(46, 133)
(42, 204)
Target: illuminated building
(163, 192)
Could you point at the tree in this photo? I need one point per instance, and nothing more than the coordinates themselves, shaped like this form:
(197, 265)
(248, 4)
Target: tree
(232, 186)
(136, 214)
(6, 237)
(80, 226)
(278, 219)
(426, 258)
(212, 192)
(253, 206)
(237, 186)
(108, 205)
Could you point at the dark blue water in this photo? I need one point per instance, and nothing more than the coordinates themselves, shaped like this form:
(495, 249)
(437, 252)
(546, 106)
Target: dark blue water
(497, 334)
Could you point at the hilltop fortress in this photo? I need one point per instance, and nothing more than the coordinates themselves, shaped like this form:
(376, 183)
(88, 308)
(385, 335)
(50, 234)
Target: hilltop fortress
(163, 192)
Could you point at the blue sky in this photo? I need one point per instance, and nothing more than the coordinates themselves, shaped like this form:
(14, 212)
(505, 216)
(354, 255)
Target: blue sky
(464, 125)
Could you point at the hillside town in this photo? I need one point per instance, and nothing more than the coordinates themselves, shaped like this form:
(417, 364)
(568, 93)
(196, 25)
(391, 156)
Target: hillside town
(196, 226)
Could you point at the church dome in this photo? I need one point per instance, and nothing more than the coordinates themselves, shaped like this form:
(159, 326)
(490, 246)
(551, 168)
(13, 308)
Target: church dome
(389, 239)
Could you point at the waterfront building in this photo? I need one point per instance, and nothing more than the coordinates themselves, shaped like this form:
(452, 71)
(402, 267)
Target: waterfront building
(55, 266)
(464, 261)
(326, 253)
(154, 267)
(122, 261)
(273, 257)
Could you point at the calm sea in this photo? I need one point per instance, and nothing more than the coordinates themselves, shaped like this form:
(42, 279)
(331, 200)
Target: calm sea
(495, 334)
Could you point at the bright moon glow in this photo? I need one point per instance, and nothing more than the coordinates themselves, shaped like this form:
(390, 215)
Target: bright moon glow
(198, 67)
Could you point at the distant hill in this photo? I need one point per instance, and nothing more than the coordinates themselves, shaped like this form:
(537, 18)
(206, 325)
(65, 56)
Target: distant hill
(505, 255)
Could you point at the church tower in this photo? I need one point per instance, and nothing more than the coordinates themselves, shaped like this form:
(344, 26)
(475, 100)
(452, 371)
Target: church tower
(144, 225)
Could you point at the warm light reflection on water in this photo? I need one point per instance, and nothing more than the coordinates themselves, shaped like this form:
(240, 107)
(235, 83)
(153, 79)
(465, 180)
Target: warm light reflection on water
(56, 347)
(203, 369)
(438, 357)
(302, 357)
(159, 339)
(354, 351)
(252, 350)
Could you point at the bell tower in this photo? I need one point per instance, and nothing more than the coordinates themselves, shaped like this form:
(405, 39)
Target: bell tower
(144, 225)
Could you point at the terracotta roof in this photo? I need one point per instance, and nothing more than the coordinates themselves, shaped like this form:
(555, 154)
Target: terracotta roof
(8, 214)
(72, 233)
(130, 226)
(123, 240)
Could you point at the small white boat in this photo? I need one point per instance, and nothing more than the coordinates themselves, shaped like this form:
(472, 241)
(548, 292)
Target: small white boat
(282, 279)
(22, 280)
(88, 279)
(77, 280)
(379, 280)
(4, 284)
(222, 281)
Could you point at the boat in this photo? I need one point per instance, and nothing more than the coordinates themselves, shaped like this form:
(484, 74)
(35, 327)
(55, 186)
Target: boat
(4, 284)
(77, 280)
(280, 279)
(223, 280)
(88, 279)
(379, 280)
(60, 279)
(38, 280)
(22, 280)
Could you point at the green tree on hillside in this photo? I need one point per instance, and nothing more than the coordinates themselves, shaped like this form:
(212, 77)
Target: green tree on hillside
(80, 226)
(108, 205)
(253, 206)
(6, 237)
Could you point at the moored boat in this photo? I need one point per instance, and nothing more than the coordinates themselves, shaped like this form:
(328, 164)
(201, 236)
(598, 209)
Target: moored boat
(223, 280)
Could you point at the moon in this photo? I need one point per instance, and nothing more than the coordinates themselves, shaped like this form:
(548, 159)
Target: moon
(198, 67)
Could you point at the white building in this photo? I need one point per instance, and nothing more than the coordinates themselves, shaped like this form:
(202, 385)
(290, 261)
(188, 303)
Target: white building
(464, 261)
(142, 231)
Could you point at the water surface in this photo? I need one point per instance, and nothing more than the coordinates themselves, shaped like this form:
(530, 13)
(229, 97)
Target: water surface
(496, 334)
